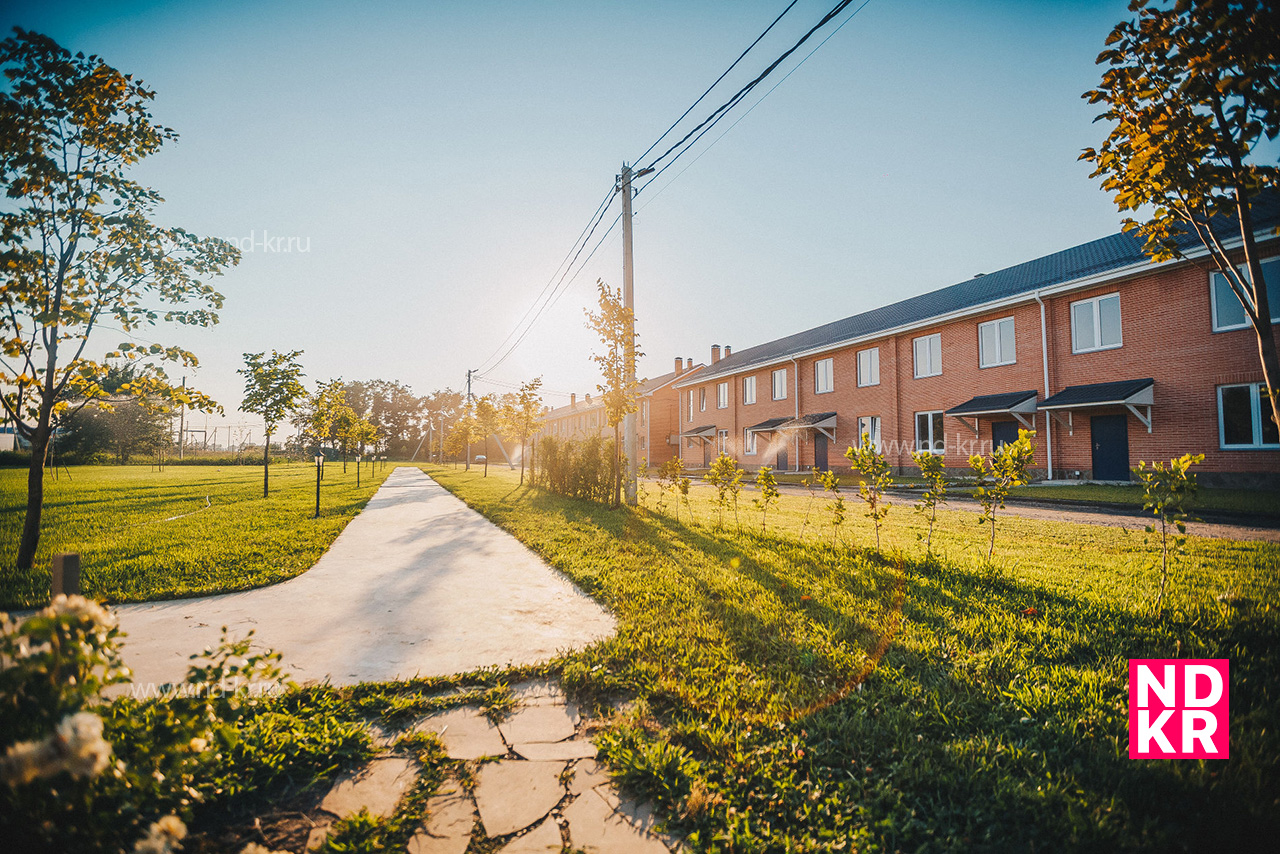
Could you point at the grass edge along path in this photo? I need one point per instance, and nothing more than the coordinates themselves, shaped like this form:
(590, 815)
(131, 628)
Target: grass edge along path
(146, 535)
(996, 720)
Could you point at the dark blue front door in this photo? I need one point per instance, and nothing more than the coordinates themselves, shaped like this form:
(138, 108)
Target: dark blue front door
(782, 459)
(1003, 433)
(1110, 446)
(820, 451)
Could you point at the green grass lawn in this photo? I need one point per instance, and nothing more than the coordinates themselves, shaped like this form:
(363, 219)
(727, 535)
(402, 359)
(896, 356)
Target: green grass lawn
(767, 720)
(121, 519)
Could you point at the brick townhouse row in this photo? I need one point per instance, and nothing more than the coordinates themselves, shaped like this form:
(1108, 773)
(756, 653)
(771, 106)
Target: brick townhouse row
(657, 416)
(1109, 357)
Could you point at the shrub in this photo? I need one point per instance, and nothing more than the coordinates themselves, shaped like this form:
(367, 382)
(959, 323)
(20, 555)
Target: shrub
(82, 774)
(576, 468)
(831, 483)
(1169, 491)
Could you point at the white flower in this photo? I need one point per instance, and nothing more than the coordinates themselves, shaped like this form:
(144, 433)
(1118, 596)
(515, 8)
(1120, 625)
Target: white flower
(199, 745)
(80, 608)
(80, 743)
(29, 760)
(163, 837)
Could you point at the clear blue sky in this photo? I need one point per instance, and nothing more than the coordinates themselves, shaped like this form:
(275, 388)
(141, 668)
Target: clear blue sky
(437, 160)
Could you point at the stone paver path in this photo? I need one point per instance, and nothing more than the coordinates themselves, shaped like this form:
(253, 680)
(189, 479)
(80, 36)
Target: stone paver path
(526, 805)
(417, 584)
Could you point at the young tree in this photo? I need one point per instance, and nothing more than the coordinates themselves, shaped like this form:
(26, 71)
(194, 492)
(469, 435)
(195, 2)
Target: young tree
(79, 245)
(272, 388)
(726, 477)
(1169, 491)
(488, 421)
(769, 495)
(612, 324)
(1190, 90)
(876, 478)
(932, 467)
(1006, 469)
(831, 483)
(525, 416)
(461, 434)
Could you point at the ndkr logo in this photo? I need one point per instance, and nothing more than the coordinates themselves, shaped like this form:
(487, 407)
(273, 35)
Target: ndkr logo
(1178, 708)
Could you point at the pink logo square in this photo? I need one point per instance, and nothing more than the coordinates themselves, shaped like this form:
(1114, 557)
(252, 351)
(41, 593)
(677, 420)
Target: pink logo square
(1178, 708)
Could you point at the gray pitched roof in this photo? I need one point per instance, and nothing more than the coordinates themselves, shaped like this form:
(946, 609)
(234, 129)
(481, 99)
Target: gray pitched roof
(1088, 259)
(1096, 394)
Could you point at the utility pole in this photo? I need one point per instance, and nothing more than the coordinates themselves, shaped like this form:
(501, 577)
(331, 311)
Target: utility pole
(629, 442)
(467, 467)
(182, 428)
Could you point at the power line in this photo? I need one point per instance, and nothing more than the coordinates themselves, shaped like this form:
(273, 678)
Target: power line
(603, 203)
(720, 111)
(553, 295)
(685, 114)
(744, 115)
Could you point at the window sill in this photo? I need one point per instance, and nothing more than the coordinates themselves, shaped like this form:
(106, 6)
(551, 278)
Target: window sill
(1097, 349)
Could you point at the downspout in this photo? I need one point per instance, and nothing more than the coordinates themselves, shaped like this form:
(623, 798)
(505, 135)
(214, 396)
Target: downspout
(1044, 360)
(648, 447)
(797, 409)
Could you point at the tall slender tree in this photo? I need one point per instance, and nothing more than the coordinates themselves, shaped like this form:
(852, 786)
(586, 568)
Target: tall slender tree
(613, 323)
(1190, 89)
(525, 416)
(79, 246)
(272, 389)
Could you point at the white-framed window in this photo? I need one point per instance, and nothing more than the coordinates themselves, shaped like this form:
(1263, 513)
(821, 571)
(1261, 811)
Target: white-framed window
(869, 367)
(644, 411)
(1244, 418)
(928, 355)
(824, 376)
(1095, 324)
(748, 391)
(749, 443)
(995, 343)
(702, 400)
(690, 418)
(1228, 313)
(930, 435)
(780, 384)
(722, 396)
(869, 426)
(722, 441)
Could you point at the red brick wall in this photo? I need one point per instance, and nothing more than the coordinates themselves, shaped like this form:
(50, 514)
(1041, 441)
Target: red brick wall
(1166, 329)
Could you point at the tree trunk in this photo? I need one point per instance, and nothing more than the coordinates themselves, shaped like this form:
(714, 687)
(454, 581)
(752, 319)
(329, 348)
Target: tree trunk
(486, 454)
(35, 494)
(266, 464)
(522, 461)
(1270, 366)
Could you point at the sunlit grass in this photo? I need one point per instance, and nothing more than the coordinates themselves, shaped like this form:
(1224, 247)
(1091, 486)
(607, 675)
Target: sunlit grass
(121, 520)
(996, 720)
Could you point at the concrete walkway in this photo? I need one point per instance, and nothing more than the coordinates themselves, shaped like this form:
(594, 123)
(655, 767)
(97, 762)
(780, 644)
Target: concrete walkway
(417, 584)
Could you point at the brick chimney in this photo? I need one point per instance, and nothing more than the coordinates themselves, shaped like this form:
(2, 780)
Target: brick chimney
(728, 351)
(573, 400)
(688, 363)
(715, 353)
(679, 366)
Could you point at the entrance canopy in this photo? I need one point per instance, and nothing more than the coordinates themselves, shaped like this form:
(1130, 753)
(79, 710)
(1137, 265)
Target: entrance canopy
(770, 426)
(706, 434)
(1130, 394)
(821, 422)
(1019, 404)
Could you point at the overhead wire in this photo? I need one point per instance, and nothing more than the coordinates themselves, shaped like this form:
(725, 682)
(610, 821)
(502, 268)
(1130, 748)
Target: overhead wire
(717, 114)
(750, 109)
(723, 75)
(604, 209)
(603, 203)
